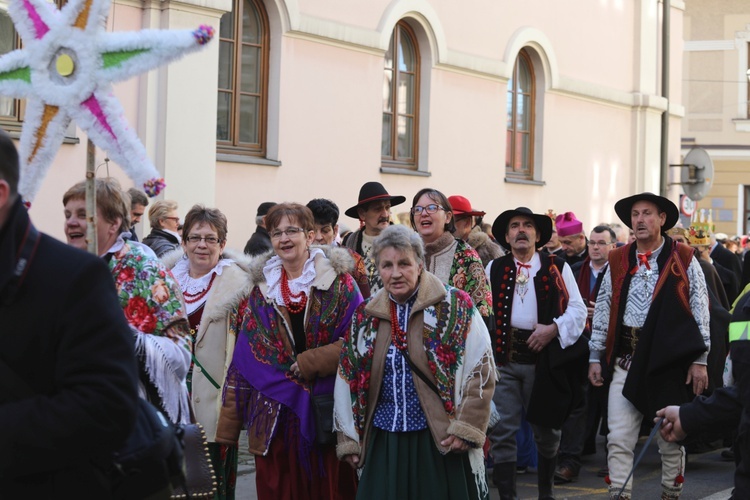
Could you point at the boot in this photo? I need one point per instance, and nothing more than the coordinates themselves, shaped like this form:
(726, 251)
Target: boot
(504, 477)
(546, 476)
(671, 492)
(614, 493)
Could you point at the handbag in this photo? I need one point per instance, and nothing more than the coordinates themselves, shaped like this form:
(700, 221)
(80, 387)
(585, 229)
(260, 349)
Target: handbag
(322, 405)
(200, 480)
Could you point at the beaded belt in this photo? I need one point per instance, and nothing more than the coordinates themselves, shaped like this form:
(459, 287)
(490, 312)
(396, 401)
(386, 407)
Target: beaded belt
(519, 351)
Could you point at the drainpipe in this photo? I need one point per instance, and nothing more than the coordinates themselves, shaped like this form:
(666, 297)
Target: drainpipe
(664, 177)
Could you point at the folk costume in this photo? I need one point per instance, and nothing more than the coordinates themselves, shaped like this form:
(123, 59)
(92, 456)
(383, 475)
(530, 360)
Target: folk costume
(64, 337)
(457, 264)
(213, 304)
(152, 302)
(360, 242)
(261, 392)
(548, 384)
(651, 322)
(391, 419)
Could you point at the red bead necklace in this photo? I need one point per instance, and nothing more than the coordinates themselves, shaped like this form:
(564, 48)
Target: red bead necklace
(397, 334)
(192, 298)
(287, 295)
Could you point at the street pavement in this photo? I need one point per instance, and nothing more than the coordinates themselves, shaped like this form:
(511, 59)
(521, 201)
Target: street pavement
(708, 477)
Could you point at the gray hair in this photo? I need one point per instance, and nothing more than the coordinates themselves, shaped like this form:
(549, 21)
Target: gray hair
(259, 219)
(401, 238)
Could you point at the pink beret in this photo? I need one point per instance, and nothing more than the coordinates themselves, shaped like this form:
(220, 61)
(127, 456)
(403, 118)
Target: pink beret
(567, 224)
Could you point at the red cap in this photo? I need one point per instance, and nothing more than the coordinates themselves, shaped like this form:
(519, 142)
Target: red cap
(462, 206)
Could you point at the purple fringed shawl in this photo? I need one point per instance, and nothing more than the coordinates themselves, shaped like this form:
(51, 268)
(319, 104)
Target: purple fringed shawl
(262, 359)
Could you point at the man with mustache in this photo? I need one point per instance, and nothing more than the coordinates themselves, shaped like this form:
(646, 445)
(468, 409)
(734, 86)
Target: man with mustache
(650, 336)
(374, 213)
(539, 352)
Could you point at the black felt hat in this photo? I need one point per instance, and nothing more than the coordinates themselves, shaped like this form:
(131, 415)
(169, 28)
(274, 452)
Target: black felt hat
(542, 222)
(373, 191)
(625, 206)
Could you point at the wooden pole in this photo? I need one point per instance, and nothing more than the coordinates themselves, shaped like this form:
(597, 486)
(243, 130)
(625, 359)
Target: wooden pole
(91, 198)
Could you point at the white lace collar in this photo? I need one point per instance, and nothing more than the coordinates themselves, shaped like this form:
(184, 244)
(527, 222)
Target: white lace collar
(181, 272)
(272, 272)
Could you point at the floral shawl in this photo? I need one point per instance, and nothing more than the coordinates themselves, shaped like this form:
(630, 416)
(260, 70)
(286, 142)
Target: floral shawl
(148, 293)
(264, 385)
(467, 274)
(152, 302)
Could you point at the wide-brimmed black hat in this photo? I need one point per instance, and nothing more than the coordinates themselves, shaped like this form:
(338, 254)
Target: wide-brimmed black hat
(624, 207)
(542, 222)
(373, 191)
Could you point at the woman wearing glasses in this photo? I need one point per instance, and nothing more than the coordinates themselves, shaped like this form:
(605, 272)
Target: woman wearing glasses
(450, 259)
(214, 281)
(165, 222)
(288, 351)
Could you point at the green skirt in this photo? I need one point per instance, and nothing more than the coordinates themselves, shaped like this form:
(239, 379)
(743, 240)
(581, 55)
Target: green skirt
(408, 465)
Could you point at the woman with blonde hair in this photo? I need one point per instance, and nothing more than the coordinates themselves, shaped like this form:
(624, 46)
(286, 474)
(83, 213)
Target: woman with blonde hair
(165, 223)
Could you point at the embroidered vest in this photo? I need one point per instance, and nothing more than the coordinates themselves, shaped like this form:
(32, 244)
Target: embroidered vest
(621, 261)
(551, 296)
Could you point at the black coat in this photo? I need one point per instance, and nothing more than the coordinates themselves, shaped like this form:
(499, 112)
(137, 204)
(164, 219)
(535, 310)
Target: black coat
(259, 242)
(64, 335)
(728, 259)
(161, 242)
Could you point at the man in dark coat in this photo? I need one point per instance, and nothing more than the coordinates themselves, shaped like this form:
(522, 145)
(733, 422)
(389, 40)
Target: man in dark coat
(540, 358)
(727, 406)
(727, 259)
(260, 241)
(68, 392)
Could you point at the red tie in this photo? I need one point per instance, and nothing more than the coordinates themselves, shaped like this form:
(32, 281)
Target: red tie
(521, 265)
(643, 257)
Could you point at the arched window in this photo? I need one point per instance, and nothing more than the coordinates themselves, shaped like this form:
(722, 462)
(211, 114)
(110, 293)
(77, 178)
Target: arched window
(401, 100)
(519, 154)
(243, 80)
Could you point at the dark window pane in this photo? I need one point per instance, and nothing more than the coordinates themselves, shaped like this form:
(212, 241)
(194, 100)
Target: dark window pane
(252, 29)
(226, 65)
(223, 117)
(522, 112)
(226, 26)
(405, 137)
(385, 144)
(508, 148)
(249, 119)
(387, 88)
(524, 76)
(250, 69)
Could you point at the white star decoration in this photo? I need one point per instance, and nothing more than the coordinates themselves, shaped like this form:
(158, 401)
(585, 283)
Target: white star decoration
(66, 70)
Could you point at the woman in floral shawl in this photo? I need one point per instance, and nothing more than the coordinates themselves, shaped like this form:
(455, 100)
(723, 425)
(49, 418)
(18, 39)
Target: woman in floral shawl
(288, 351)
(452, 260)
(415, 381)
(148, 293)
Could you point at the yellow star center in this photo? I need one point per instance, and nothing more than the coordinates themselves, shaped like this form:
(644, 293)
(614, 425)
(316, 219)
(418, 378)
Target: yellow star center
(65, 65)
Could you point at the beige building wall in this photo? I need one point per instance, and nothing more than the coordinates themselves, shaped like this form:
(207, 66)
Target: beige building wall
(715, 65)
(598, 106)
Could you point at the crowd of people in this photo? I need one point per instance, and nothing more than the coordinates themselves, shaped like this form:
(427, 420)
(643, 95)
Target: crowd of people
(407, 342)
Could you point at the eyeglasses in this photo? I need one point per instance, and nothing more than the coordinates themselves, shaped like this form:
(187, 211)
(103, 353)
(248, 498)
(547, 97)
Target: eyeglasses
(430, 209)
(291, 231)
(210, 240)
(598, 243)
(176, 219)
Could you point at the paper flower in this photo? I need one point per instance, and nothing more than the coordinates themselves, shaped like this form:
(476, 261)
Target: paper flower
(66, 70)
